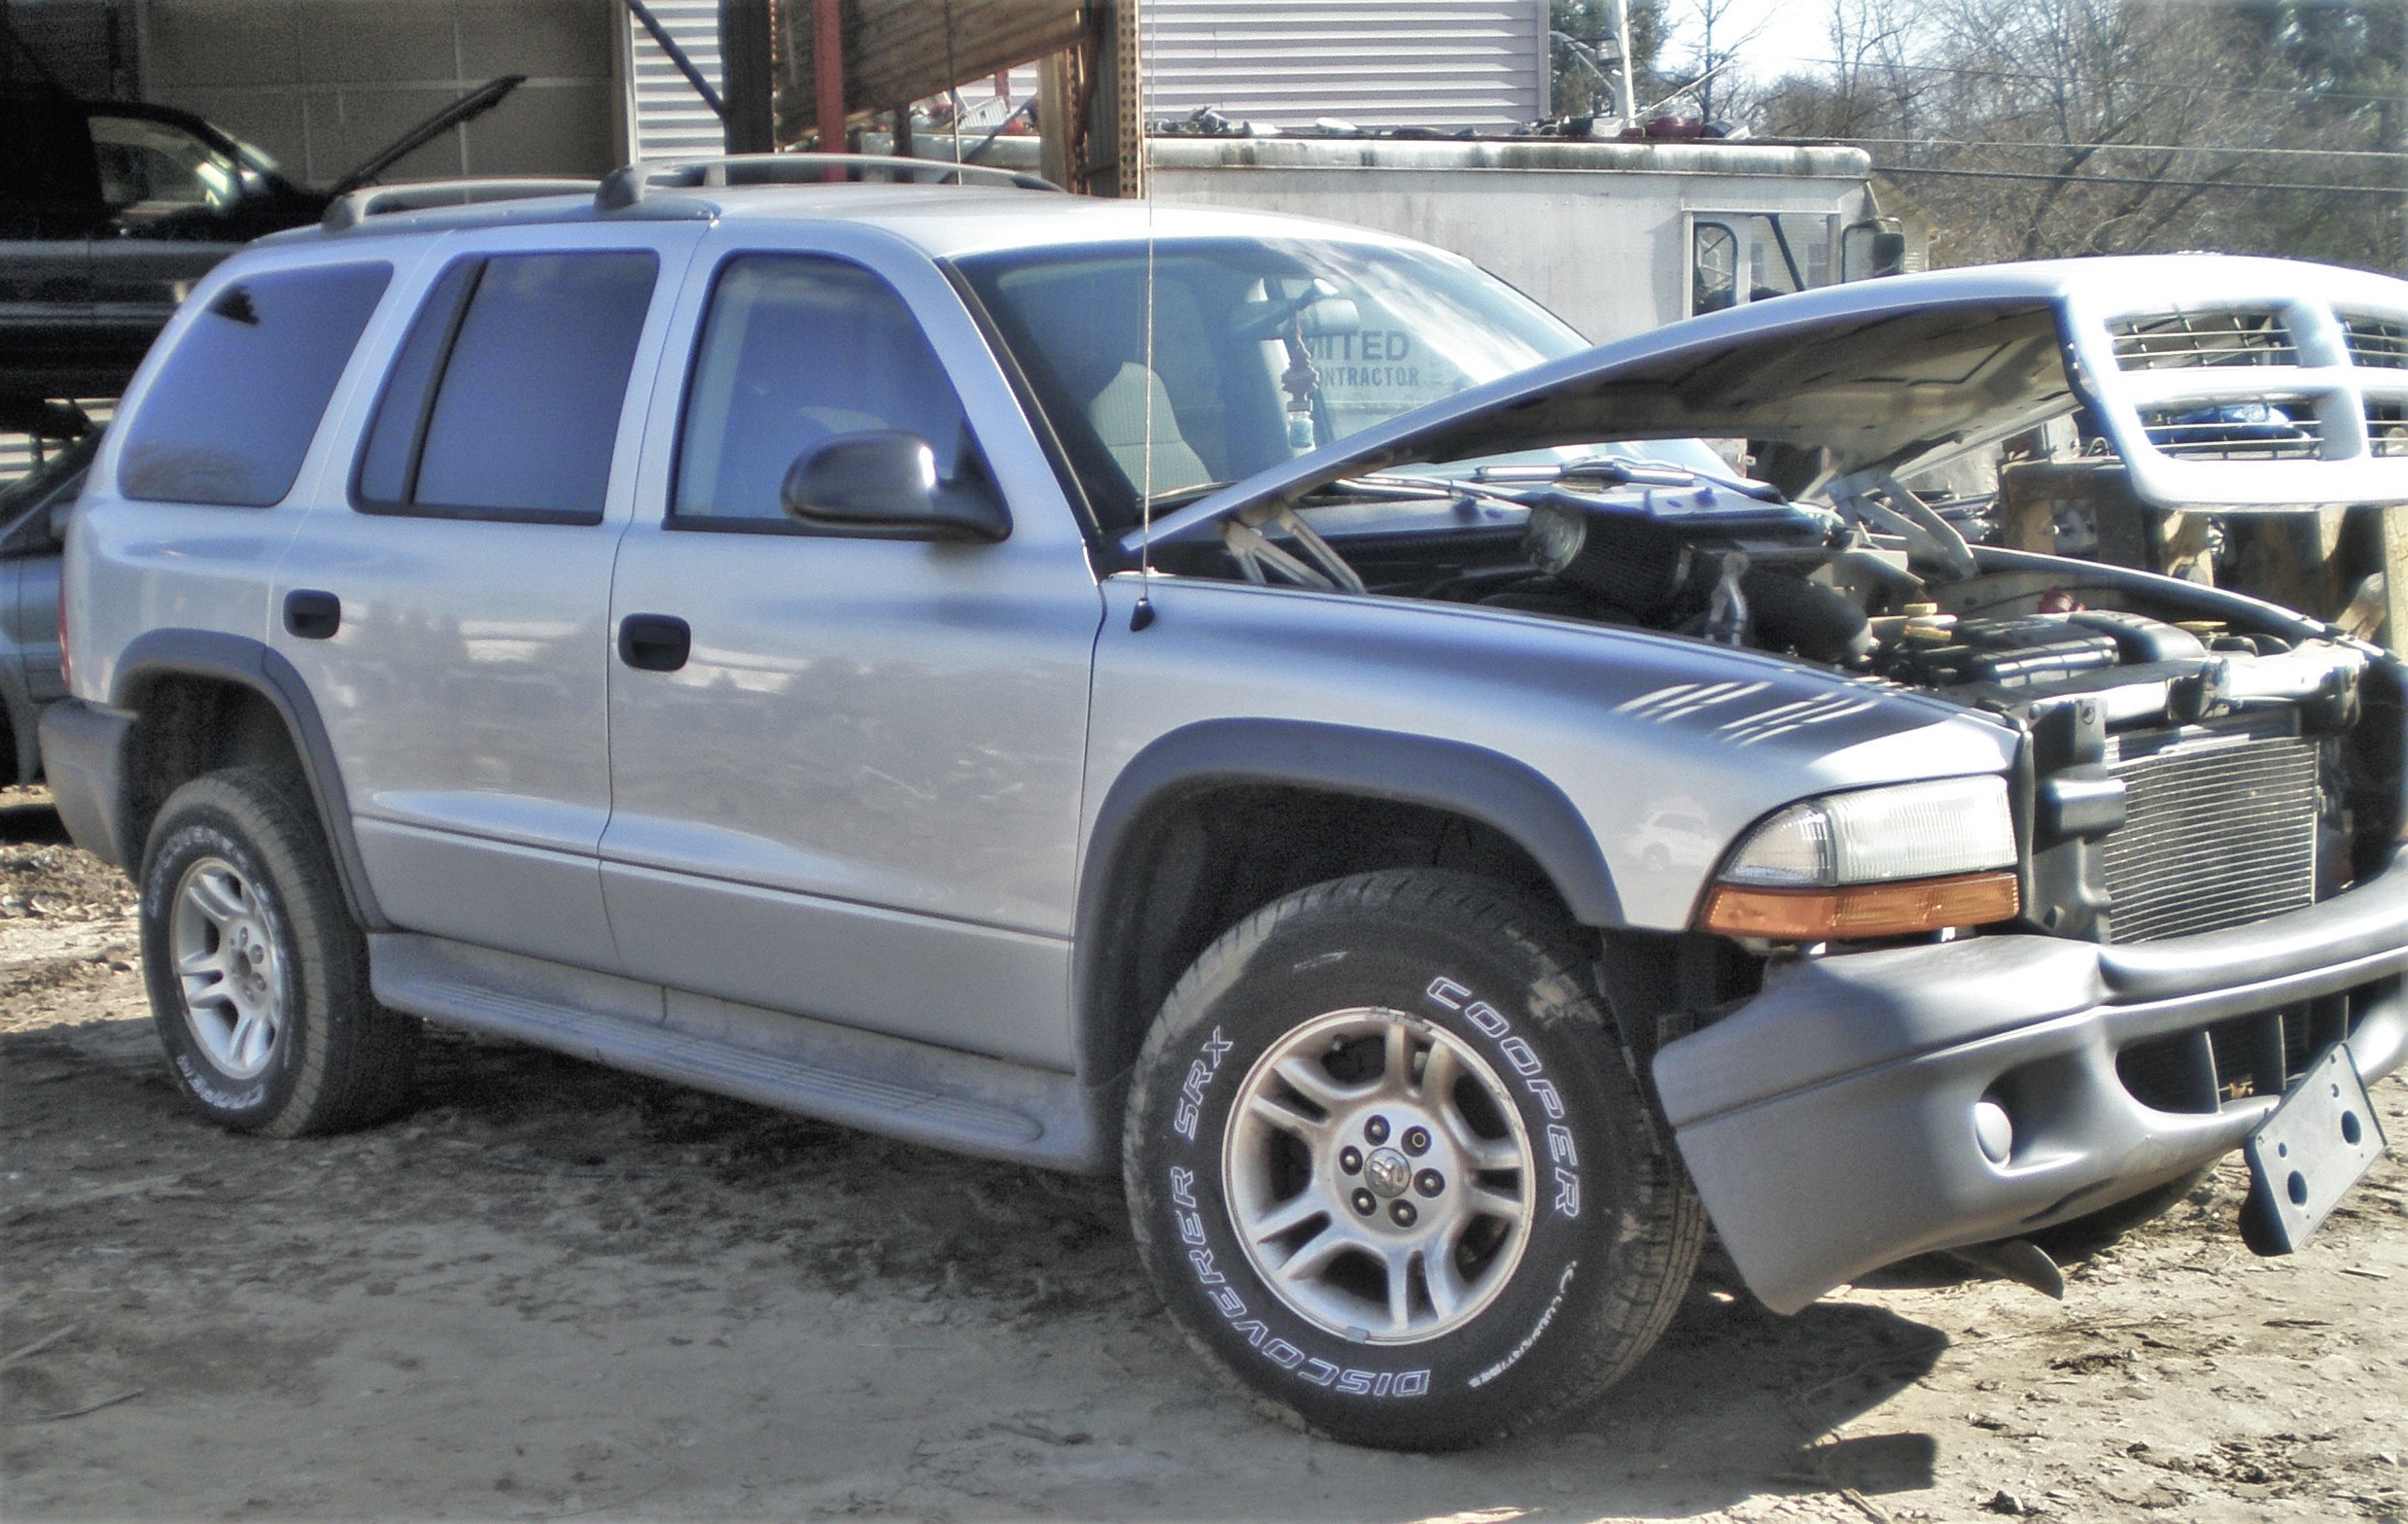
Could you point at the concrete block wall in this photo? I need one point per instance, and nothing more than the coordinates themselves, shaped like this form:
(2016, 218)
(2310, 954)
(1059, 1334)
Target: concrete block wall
(321, 84)
(83, 46)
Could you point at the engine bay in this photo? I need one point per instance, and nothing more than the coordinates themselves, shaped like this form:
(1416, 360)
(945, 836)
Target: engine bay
(1733, 563)
(2192, 759)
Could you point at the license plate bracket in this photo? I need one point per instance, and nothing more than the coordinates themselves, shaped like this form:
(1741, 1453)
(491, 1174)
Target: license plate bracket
(2308, 1154)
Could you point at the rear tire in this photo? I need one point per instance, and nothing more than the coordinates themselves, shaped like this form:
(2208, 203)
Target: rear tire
(1379, 1257)
(257, 974)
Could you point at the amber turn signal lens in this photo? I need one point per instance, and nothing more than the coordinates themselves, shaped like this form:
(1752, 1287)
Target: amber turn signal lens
(1860, 911)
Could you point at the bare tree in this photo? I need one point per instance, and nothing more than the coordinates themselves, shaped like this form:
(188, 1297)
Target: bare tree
(1870, 89)
(1707, 71)
(2035, 128)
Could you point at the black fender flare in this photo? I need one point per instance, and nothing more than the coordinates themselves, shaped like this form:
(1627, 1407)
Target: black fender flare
(1497, 791)
(259, 666)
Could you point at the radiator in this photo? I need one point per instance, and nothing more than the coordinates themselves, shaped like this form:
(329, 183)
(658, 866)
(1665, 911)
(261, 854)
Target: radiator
(2219, 830)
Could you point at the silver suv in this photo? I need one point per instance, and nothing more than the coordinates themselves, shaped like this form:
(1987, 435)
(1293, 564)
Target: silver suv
(1261, 707)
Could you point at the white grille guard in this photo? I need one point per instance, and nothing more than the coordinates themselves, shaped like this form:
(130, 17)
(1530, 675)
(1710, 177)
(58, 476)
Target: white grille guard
(1900, 374)
(2308, 302)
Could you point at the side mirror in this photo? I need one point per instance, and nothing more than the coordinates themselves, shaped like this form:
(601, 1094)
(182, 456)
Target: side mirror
(883, 483)
(1870, 250)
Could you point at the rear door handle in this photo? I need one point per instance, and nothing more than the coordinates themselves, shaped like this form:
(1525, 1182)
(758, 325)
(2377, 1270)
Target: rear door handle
(312, 614)
(654, 642)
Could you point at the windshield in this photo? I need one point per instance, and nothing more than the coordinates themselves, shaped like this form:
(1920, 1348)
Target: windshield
(150, 169)
(1263, 350)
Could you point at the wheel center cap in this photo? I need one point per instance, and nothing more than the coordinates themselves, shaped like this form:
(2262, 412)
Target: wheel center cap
(1387, 1173)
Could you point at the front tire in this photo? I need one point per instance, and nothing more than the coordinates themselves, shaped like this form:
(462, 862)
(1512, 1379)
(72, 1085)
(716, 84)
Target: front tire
(1391, 1170)
(257, 974)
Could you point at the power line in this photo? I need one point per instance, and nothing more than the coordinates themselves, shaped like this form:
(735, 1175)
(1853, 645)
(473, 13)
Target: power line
(1970, 72)
(2124, 148)
(2136, 179)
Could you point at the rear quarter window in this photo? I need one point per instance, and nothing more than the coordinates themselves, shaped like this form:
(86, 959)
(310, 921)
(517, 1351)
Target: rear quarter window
(504, 400)
(232, 412)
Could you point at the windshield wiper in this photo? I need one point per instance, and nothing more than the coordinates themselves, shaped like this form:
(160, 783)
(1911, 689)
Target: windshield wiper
(1181, 497)
(1624, 472)
(1399, 487)
(1493, 483)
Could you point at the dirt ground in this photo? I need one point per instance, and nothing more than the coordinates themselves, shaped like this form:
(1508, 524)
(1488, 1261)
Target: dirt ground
(554, 1291)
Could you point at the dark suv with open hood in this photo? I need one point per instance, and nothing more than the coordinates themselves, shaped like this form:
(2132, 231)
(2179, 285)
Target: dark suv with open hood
(111, 210)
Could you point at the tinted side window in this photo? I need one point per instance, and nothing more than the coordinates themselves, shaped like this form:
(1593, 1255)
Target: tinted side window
(391, 454)
(504, 400)
(230, 417)
(796, 351)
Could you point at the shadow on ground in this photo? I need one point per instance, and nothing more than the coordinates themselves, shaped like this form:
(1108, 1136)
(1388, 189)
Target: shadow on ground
(26, 820)
(792, 1318)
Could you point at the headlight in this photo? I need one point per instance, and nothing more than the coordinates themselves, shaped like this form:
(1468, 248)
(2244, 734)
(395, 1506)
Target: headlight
(1877, 862)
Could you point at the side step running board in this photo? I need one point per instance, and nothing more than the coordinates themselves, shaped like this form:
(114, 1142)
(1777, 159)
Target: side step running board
(840, 1074)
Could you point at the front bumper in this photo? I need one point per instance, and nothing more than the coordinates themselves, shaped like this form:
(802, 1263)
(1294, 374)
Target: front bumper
(1830, 1122)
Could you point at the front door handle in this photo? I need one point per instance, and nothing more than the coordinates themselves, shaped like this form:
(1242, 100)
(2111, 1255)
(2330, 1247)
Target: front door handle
(312, 614)
(654, 642)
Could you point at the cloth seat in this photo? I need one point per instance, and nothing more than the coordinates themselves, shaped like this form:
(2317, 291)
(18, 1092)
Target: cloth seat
(1117, 415)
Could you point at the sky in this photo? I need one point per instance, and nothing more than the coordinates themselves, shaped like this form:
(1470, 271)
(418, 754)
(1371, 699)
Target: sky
(1793, 29)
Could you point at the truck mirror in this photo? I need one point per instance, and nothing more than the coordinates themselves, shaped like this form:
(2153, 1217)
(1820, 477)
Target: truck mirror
(1867, 250)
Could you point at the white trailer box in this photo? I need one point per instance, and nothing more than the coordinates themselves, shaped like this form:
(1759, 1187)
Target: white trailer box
(1615, 237)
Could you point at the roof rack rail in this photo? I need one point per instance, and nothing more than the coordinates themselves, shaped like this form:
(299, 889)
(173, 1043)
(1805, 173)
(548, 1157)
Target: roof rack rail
(624, 188)
(357, 207)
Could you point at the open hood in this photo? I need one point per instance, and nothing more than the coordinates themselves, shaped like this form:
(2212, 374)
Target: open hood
(2223, 382)
(475, 103)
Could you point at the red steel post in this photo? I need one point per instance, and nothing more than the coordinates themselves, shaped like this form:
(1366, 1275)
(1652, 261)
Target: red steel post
(827, 56)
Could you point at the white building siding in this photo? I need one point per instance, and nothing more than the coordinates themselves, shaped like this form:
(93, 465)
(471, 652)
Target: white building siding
(666, 117)
(1375, 63)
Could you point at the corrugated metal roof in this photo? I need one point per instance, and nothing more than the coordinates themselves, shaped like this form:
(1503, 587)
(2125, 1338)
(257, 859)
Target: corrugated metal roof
(667, 119)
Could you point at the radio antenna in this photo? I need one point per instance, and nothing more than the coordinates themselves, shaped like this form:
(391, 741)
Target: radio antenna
(1143, 614)
(953, 91)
